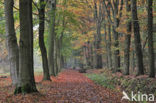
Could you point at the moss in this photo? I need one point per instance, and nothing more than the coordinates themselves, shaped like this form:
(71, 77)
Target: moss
(17, 90)
(25, 89)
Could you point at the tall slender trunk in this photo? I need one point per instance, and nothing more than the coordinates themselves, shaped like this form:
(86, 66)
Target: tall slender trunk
(98, 48)
(127, 41)
(133, 60)
(59, 55)
(109, 43)
(46, 75)
(150, 38)
(89, 54)
(11, 41)
(92, 56)
(116, 51)
(60, 46)
(62, 61)
(109, 47)
(137, 41)
(51, 60)
(98, 19)
(26, 71)
(106, 44)
(55, 57)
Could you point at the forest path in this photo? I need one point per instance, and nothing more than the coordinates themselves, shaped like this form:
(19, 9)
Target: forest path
(69, 86)
(73, 87)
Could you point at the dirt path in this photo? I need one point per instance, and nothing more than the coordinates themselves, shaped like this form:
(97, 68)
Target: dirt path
(69, 87)
(73, 87)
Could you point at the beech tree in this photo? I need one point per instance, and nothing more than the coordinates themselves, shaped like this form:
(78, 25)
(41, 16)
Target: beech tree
(41, 40)
(26, 82)
(127, 40)
(98, 20)
(52, 5)
(116, 8)
(150, 38)
(137, 41)
(11, 41)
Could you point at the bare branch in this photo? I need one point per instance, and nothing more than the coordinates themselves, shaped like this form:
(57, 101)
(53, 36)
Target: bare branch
(35, 4)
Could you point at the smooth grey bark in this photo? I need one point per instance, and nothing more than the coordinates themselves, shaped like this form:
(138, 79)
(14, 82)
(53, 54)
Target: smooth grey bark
(116, 35)
(109, 47)
(132, 59)
(56, 56)
(109, 43)
(26, 71)
(150, 39)
(46, 75)
(137, 41)
(59, 55)
(92, 56)
(51, 59)
(99, 64)
(127, 41)
(116, 10)
(106, 47)
(62, 61)
(98, 19)
(89, 55)
(12, 45)
(116, 51)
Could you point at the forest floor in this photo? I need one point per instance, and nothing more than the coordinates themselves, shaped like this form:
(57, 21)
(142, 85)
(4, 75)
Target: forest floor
(68, 87)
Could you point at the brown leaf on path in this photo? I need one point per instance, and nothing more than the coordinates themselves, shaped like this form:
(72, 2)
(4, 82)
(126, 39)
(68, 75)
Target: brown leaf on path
(69, 86)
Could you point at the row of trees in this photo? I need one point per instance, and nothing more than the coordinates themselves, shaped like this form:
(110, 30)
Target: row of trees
(121, 29)
(21, 57)
(21, 54)
(96, 33)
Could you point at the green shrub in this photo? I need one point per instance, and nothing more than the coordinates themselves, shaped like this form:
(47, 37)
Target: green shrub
(101, 80)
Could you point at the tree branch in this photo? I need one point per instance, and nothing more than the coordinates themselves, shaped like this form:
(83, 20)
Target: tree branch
(35, 4)
(108, 16)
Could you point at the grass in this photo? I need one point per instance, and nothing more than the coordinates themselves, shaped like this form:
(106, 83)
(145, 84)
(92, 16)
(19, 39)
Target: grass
(102, 80)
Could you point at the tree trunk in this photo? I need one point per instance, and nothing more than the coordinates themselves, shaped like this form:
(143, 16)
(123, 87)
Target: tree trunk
(98, 46)
(109, 47)
(98, 56)
(92, 56)
(89, 54)
(116, 51)
(46, 75)
(56, 57)
(150, 39)
(62, 61)
(127, 41)
(11, 41)
(133, 60)
(26, 71)
(98, 36)
(106, 46)
(109, 43)
(52, 37)
(126, 53)
(137, 41)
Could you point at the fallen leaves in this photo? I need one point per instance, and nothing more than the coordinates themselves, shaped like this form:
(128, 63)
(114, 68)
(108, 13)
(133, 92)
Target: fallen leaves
(69, 87)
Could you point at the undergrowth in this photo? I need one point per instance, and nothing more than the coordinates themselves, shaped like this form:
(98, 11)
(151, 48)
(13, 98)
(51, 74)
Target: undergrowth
(102, 80)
